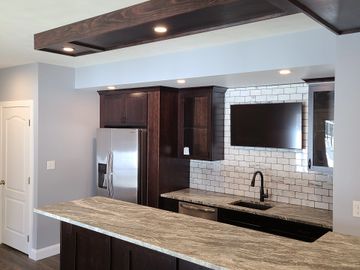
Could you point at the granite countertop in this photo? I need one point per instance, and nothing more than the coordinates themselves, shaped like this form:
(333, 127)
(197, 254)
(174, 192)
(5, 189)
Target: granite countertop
(204, 242)
(303, 214)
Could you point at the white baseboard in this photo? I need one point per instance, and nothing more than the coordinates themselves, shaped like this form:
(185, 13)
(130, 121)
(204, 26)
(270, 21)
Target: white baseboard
(39, 254)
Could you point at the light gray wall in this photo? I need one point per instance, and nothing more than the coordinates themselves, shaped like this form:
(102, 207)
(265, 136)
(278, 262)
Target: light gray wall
(347, 134)
(21, 83)
(284, 51)
(18, 83)
(67, 127)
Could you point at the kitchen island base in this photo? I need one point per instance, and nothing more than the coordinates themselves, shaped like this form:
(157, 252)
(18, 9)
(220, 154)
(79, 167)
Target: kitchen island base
(83, 249)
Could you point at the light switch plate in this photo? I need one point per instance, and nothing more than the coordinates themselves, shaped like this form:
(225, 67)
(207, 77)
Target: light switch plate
(186, 151)
(50, 165)
(356, 208)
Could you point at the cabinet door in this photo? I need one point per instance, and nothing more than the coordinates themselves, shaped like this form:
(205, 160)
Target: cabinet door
(123, 110)
(67, 247)
(136, 109)
(92, 251)
(120, 255)
(82, 249)
(143, 259)
(184, 265)
(196, 129)
(321, 127)
(127, 256)
(201, 123)
(112, 110)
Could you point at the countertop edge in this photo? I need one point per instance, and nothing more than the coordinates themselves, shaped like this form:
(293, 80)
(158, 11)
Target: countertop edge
(244, 210)
(131, 240)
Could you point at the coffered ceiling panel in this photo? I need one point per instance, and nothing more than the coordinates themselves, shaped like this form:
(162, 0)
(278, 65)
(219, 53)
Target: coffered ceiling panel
(340, 16)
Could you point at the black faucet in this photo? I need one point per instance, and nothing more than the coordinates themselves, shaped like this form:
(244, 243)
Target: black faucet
(262, 193)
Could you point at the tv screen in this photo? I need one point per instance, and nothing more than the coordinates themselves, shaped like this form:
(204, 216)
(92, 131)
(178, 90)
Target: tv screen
(267, 125)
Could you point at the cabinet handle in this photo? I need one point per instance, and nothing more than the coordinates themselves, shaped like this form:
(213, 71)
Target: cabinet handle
(202, 209)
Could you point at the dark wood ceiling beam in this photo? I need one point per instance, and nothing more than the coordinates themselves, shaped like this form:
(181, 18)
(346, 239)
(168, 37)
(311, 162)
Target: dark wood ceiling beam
(85, 45)
(134, 25)
(149, 11)
(315, 16)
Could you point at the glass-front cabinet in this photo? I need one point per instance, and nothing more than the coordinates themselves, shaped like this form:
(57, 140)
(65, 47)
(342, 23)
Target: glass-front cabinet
(201, 123)
(321, 126)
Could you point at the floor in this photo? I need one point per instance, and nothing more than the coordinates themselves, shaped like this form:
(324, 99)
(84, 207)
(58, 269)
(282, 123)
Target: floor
(11, 259)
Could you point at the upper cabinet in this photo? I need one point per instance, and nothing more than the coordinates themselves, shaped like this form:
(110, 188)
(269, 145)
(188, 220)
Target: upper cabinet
(321, 125)
(123, 109)
(201, 123)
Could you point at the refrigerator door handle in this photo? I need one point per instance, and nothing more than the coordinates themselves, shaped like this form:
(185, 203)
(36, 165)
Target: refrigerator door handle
(107, 174)
(110, 176)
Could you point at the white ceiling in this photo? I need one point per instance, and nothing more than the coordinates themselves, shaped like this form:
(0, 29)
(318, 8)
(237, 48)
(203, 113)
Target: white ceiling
(21, 19)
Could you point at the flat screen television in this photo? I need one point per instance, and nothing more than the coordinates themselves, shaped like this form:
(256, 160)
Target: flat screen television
(275, 125)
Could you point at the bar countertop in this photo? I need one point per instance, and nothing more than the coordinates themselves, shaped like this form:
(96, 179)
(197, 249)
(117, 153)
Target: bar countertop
(207, 243)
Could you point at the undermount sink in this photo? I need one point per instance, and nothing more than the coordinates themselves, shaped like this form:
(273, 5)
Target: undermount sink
(252, 205)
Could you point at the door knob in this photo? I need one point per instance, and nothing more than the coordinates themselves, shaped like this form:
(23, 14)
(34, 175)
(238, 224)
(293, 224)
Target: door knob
(2, 182)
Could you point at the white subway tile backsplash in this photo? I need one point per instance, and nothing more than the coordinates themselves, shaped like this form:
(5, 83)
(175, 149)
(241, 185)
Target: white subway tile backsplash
(308, 203)
(295, 188)
(310, 190)
(322, 205)
(321, 191)
(290, 90)
(285, 171)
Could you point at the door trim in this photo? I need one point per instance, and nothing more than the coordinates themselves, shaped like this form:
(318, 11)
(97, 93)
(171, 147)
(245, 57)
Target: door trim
(30, 105)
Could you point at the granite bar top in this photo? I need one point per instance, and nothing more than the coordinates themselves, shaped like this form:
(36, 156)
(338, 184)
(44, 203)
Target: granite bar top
(303, 214)
(204, 242)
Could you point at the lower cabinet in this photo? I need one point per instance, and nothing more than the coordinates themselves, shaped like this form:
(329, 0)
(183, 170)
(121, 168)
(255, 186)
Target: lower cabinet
(82, 249)
(272, 225)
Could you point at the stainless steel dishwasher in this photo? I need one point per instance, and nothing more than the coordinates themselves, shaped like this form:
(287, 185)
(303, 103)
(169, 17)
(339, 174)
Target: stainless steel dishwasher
(196, 210)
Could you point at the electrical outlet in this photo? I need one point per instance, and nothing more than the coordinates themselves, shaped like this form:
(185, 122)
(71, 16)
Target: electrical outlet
(356, 208)
(186, 151)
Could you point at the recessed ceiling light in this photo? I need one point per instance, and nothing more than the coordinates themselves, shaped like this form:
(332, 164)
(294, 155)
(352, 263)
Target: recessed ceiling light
(68, 49)
(160, 29)
(285, 72)
(181, 81)
(111, 87)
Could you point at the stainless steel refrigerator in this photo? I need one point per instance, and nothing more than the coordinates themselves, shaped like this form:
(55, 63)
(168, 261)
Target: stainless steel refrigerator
(121, 164)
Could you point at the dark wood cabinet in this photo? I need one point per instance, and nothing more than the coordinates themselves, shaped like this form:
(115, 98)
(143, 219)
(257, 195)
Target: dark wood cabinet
(201, 123)
(169, 205)
(83, 249)
(123, 108)
(136, 109)
(127, 256)
(184, 265)
(143, 258)
(156, 109)
(166, 170)
(273, 225)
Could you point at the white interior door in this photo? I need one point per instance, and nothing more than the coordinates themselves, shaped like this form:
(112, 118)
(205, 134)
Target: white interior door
(15, 172)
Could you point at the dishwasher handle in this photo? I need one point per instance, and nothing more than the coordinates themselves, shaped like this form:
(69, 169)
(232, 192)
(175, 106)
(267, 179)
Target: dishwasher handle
(197, 208)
